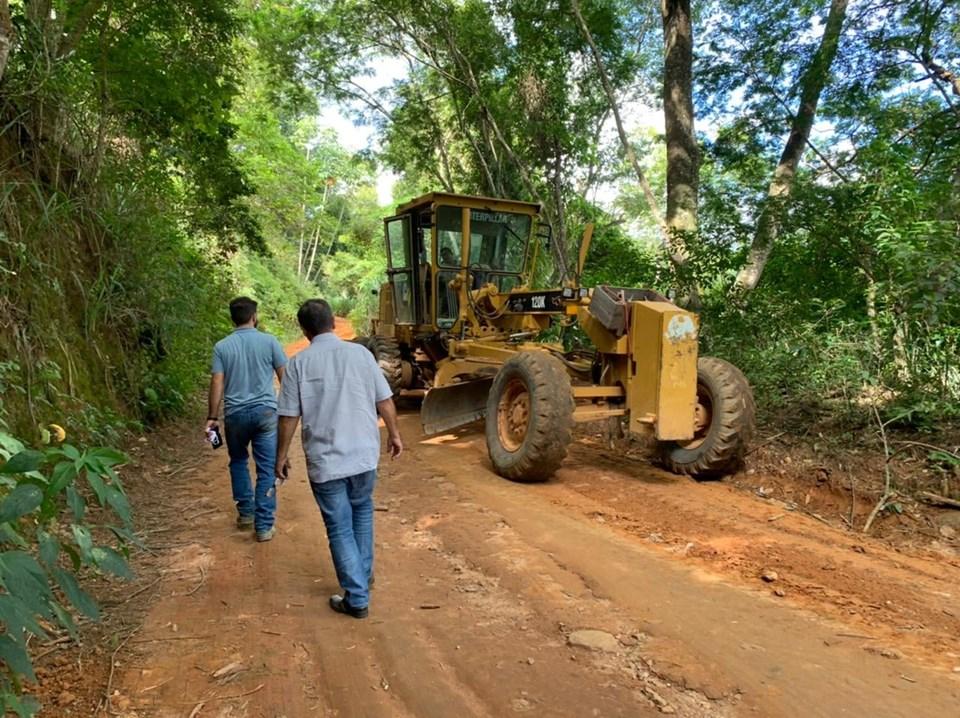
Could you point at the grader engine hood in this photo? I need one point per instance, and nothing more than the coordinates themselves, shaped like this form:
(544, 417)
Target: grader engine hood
(659, 342)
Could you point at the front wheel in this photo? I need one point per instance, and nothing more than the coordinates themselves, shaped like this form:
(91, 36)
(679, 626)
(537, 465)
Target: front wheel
(723, 423)
(529, 417)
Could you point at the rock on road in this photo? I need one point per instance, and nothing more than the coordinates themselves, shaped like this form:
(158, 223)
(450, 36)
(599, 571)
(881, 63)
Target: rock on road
(613, 590)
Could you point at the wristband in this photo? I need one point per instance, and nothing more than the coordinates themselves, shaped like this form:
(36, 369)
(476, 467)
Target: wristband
(212, 418)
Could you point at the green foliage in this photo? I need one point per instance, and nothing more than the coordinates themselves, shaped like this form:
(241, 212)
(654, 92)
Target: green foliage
(351, 284)
(120, 196)
(43, 554)
(273, 282)
(499, 100)
(126, 216)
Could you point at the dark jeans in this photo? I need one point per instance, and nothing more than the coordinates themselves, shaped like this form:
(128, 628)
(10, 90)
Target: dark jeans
(254, 426)
(347, 508)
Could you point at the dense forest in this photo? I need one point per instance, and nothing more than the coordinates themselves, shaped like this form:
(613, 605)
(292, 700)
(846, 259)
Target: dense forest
(791, 171)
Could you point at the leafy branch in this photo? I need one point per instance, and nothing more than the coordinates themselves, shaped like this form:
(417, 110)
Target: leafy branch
(47, 540)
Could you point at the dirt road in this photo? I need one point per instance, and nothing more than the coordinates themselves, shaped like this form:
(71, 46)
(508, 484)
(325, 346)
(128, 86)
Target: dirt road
(483, 586)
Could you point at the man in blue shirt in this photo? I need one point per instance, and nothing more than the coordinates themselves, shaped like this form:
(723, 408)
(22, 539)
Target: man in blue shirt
(242, 377)
(337, 389)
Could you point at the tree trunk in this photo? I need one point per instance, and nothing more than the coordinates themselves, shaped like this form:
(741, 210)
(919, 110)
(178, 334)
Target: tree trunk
(446, 177)
(901, 357)
(336, 232)
(495, 156)
(683, 159)
(648, 194)
(941, 75)
(445, 174)
(301, 256)
(313, 252)
(8, 35)
(557, 182)
(876, 343)
(492, 188)
(303, 226)
(316, 234)
(76, 25)
(778, 194)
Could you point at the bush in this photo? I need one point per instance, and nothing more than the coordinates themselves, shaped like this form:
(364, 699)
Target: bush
(41, 558)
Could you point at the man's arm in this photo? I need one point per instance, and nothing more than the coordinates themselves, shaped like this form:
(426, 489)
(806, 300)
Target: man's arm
(388, 413)
(214, 399)
(279, 359)
(285, 429)
(288, 409)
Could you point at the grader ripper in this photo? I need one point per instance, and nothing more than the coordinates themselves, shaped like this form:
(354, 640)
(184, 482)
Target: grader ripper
(459, 320)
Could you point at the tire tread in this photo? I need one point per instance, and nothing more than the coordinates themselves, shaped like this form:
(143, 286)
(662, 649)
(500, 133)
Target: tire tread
(545, 445)
(735, 408)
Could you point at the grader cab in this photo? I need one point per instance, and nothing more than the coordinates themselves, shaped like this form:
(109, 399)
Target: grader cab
(460, 321)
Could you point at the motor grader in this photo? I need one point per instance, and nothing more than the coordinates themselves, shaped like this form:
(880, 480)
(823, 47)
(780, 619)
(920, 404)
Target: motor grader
(460, 323)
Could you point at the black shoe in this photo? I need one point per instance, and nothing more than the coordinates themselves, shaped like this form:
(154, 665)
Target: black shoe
(339, 604)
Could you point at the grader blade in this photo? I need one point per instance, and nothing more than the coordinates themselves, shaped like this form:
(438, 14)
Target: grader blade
(448, 407)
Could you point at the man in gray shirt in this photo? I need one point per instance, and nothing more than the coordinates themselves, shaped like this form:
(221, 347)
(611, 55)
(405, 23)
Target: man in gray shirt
(337, 389)
(242, 377)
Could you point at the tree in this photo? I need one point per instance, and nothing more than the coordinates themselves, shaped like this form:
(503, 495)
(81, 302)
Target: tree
(651, 199)
(811, 86)
(682, 151)
(497, 100)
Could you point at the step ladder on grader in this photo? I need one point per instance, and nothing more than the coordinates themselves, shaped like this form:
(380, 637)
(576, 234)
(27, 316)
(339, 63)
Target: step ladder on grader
(459, 321)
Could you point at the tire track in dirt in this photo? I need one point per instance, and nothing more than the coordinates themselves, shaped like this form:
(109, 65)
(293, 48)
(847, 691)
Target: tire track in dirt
(777, 654)
(899, 597)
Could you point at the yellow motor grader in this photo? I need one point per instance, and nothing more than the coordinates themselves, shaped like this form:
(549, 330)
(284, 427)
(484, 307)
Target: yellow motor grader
(459, 320)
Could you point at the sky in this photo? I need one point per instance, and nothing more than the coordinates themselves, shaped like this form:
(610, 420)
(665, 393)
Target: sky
(355, 137)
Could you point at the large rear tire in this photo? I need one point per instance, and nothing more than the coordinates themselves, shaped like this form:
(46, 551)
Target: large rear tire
(362, 341)
(725, 422)
(386, 351)
(529, 417)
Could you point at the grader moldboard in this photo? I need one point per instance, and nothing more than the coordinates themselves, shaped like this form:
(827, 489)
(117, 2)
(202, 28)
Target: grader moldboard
(459, 320)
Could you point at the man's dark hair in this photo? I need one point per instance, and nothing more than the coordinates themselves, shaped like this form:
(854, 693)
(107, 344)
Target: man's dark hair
(242, 310)
(315, 317)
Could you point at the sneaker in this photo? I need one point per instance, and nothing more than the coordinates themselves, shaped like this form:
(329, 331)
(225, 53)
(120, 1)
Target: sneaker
(244, 521)
(266, 535)
(340, 605)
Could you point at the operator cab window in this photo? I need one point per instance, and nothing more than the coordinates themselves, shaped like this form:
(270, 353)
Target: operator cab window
(423, 234)
(398, 242)
(498, 245)
(449, 242)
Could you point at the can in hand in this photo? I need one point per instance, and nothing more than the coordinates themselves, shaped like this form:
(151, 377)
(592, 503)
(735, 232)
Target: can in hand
(213, 436)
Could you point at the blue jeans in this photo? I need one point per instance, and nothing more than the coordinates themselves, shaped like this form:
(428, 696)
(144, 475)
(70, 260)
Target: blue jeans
(256, 426)
(347, 508)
